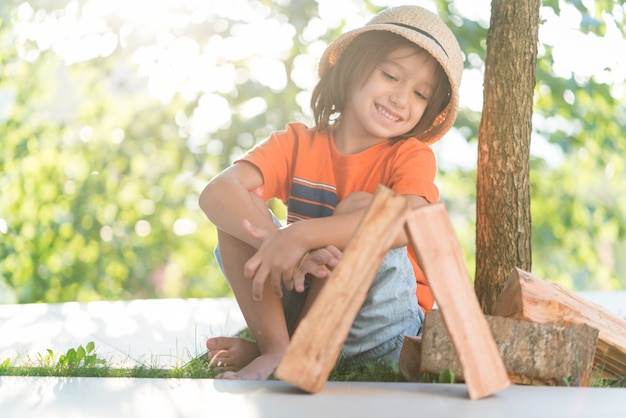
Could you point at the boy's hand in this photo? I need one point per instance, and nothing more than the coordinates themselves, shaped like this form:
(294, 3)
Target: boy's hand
(284, 259)
(277, 258)
(318, 263)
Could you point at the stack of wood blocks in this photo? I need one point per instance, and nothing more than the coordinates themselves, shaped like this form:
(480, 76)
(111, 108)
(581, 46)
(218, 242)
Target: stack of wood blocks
(544, 334)
(316, 343)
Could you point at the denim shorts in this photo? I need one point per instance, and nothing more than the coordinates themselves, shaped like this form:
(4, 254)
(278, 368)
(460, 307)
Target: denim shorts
(390, 312)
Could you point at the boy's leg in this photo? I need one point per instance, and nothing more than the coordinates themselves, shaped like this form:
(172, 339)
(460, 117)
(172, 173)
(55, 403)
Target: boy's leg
(264, 318)
(390, 312)
(354, 201)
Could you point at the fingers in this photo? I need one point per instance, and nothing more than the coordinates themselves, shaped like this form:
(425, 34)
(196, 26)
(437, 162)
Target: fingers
(257, 270)
(335, 252)
(318, 263)
(259, 273)
(328, 257)
(298, 281)
(284, 264)
(253, 270)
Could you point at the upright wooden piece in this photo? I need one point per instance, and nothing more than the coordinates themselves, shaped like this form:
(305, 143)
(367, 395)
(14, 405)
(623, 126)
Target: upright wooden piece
(317, 341)
(411, 358)
(433, 239)
(532, 299)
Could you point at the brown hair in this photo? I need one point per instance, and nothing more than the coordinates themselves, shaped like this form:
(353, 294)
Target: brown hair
(355, 65)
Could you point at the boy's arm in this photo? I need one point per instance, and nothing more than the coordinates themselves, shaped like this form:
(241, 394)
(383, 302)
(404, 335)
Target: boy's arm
(228, 199)
(336, 230)
(282, 250)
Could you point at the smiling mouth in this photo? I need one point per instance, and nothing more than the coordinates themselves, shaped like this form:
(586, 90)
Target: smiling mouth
(386, 114)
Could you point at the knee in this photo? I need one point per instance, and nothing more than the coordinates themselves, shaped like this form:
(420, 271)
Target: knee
(354, 201)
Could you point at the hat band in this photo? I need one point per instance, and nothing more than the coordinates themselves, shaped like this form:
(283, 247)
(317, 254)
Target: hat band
(423, 32)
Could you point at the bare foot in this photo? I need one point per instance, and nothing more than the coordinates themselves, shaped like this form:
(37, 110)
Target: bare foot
(259, 369)
(241, 359)
(231, 353)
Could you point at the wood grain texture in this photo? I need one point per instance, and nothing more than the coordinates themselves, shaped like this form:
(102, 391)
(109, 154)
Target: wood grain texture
(411, 358)
(503, 218)
(530, 298)
(316, 343)
(435, 243)
(538, 354)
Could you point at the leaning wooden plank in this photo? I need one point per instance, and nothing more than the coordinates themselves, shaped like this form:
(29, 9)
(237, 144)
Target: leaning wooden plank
(433, 239)
(538, 354)
(317, 341)
(533, 299)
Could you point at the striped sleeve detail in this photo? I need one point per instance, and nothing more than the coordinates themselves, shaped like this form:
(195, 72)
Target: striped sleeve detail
(310, 200)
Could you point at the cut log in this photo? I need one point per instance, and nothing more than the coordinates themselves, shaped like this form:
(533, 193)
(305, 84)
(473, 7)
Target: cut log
(432, 237)
(538, 354)
(530, 298)
(317, 341)
(411, 358)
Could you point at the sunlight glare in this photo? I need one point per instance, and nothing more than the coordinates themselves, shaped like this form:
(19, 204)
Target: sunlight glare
(269, 72)
(143, 228)
(151, 14)
(471, 90)
(253, 107)
(579, 54)
(212, 114)
(185, 226)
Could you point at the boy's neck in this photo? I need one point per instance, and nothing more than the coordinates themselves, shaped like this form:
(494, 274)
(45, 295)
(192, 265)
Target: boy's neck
(348, 142)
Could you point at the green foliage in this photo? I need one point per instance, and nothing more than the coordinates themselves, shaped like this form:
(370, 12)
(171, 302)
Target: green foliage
(82, 356)
(577, 207)
(99, 190)
(104, 154)
(80, 361)
(83, 361)
(74, 357)
(447, 376)
(368, 372)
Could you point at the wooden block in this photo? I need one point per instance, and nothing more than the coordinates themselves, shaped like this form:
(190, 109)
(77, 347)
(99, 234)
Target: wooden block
(317, 341)
(530, 298)
(433, 239)
(539, 354)
(410, 358)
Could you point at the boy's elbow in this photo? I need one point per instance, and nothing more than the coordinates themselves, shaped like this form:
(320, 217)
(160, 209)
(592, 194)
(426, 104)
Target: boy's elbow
(204, 201)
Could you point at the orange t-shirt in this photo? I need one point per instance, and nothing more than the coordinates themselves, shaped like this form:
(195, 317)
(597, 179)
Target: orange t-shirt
(301, 167)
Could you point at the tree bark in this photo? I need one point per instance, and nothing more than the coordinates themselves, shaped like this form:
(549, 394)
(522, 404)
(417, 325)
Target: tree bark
(503, 224)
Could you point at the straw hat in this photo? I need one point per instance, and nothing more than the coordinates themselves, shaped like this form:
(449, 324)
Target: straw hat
(426, 30)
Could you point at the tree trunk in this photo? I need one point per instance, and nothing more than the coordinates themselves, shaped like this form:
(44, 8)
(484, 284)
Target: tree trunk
(503, 226)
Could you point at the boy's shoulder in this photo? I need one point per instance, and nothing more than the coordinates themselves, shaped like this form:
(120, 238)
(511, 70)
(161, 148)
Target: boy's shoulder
(301, 131)
(411, 143)
(300, 128)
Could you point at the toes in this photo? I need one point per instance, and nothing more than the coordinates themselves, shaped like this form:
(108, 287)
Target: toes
(212, 344)
(219, 343)
(228, 376)
(217, 360)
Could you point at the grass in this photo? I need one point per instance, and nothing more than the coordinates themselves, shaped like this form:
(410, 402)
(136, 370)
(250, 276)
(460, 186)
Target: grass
(83, 361)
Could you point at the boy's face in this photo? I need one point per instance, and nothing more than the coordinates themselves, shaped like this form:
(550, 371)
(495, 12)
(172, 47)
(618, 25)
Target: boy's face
(394, 96)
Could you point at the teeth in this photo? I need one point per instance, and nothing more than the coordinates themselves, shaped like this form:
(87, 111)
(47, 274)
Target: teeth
(387, 114)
